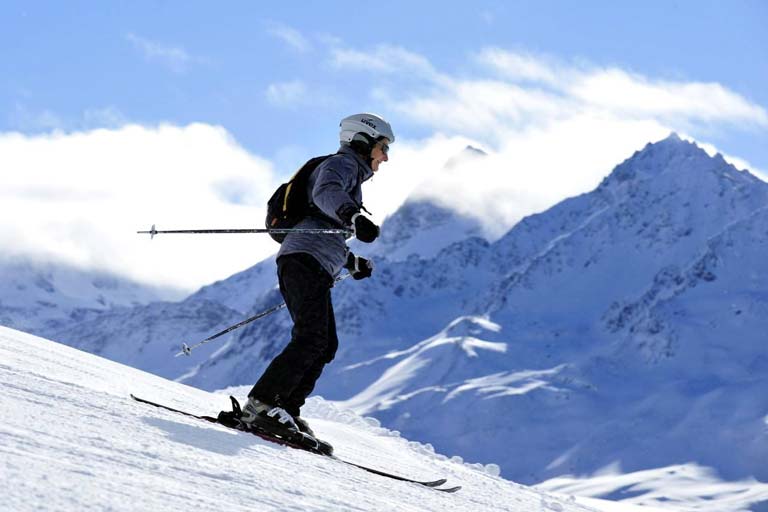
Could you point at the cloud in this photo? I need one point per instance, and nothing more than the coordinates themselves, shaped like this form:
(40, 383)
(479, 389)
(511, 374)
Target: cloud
(175, 58)
(384, 59)
(524, 91)
(486, 109)
(628, 94)
(26, 120)
(107, 117)
(518, 66)
(286, 94)
(552, 129)
(296, 93)
(290, 36)
(80, 198)
(621, 93)
(31, 121)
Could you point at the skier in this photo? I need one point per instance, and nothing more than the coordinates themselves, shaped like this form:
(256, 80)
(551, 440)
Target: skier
(306, 267)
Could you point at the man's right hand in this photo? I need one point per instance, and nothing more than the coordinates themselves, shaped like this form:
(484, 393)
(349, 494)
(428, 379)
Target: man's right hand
(364, 229)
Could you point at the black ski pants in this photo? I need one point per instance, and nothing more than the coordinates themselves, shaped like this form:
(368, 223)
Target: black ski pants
(291, 376)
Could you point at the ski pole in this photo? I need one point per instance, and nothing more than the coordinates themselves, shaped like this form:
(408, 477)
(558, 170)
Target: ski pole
(186, 350)
(330, 231)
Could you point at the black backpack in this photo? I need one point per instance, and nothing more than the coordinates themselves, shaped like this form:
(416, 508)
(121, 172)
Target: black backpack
(289, 204)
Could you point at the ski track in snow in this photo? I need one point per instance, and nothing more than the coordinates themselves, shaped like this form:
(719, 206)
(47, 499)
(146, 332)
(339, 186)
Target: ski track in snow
(72, 439)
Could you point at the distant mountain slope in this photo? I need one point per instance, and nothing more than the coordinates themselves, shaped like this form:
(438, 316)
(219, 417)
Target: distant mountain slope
(240, 291)
(422, 228)
(148, 337)
(36, 294)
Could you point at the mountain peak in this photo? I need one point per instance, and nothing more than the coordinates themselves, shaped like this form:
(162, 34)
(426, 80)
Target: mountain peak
(673, 144)
(670, 155)
(467, 154)
(423, 227)
(472, 150)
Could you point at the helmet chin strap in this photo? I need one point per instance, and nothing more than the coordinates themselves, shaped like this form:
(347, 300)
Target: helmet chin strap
(363, 144)
(370, 157)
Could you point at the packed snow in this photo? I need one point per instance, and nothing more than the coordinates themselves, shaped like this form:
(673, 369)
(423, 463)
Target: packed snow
(72, 439)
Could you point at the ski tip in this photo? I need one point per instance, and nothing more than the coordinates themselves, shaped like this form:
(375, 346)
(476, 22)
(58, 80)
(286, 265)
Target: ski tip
(435, 483)
(450, 489)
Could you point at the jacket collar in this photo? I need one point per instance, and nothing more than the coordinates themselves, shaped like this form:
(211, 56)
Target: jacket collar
(367, 171)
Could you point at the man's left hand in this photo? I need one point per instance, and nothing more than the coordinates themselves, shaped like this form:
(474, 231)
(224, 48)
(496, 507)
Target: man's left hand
(358, 267)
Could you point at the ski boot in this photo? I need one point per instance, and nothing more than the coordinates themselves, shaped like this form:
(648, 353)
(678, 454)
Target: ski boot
(323, 447)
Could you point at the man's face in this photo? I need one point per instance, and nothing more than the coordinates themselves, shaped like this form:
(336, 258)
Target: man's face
(380, 153)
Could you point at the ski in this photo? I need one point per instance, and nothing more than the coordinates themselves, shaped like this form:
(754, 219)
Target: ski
(210, 419)
(431, 484)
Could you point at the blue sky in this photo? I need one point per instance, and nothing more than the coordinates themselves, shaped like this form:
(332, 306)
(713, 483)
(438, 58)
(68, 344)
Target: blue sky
(80, 65)
(267, 82)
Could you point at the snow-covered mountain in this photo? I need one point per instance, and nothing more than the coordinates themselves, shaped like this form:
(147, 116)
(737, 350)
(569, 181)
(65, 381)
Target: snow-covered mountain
(419, 227)
(621, 328)
(148, 337)
(108, 452)
(108, 315)
(422, 225)
(45, 294)
(240, 291)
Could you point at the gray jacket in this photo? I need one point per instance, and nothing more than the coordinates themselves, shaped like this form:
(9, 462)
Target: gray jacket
(335, 183)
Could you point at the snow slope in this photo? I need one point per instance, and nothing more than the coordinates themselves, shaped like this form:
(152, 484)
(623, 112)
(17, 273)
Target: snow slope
(683, 487)
(72, 439)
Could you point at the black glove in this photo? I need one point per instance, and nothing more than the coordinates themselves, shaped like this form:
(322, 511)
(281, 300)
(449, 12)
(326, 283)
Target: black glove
(364, 230)
(359, 268)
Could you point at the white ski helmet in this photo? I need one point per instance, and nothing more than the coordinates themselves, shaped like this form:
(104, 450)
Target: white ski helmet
(369, 124)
